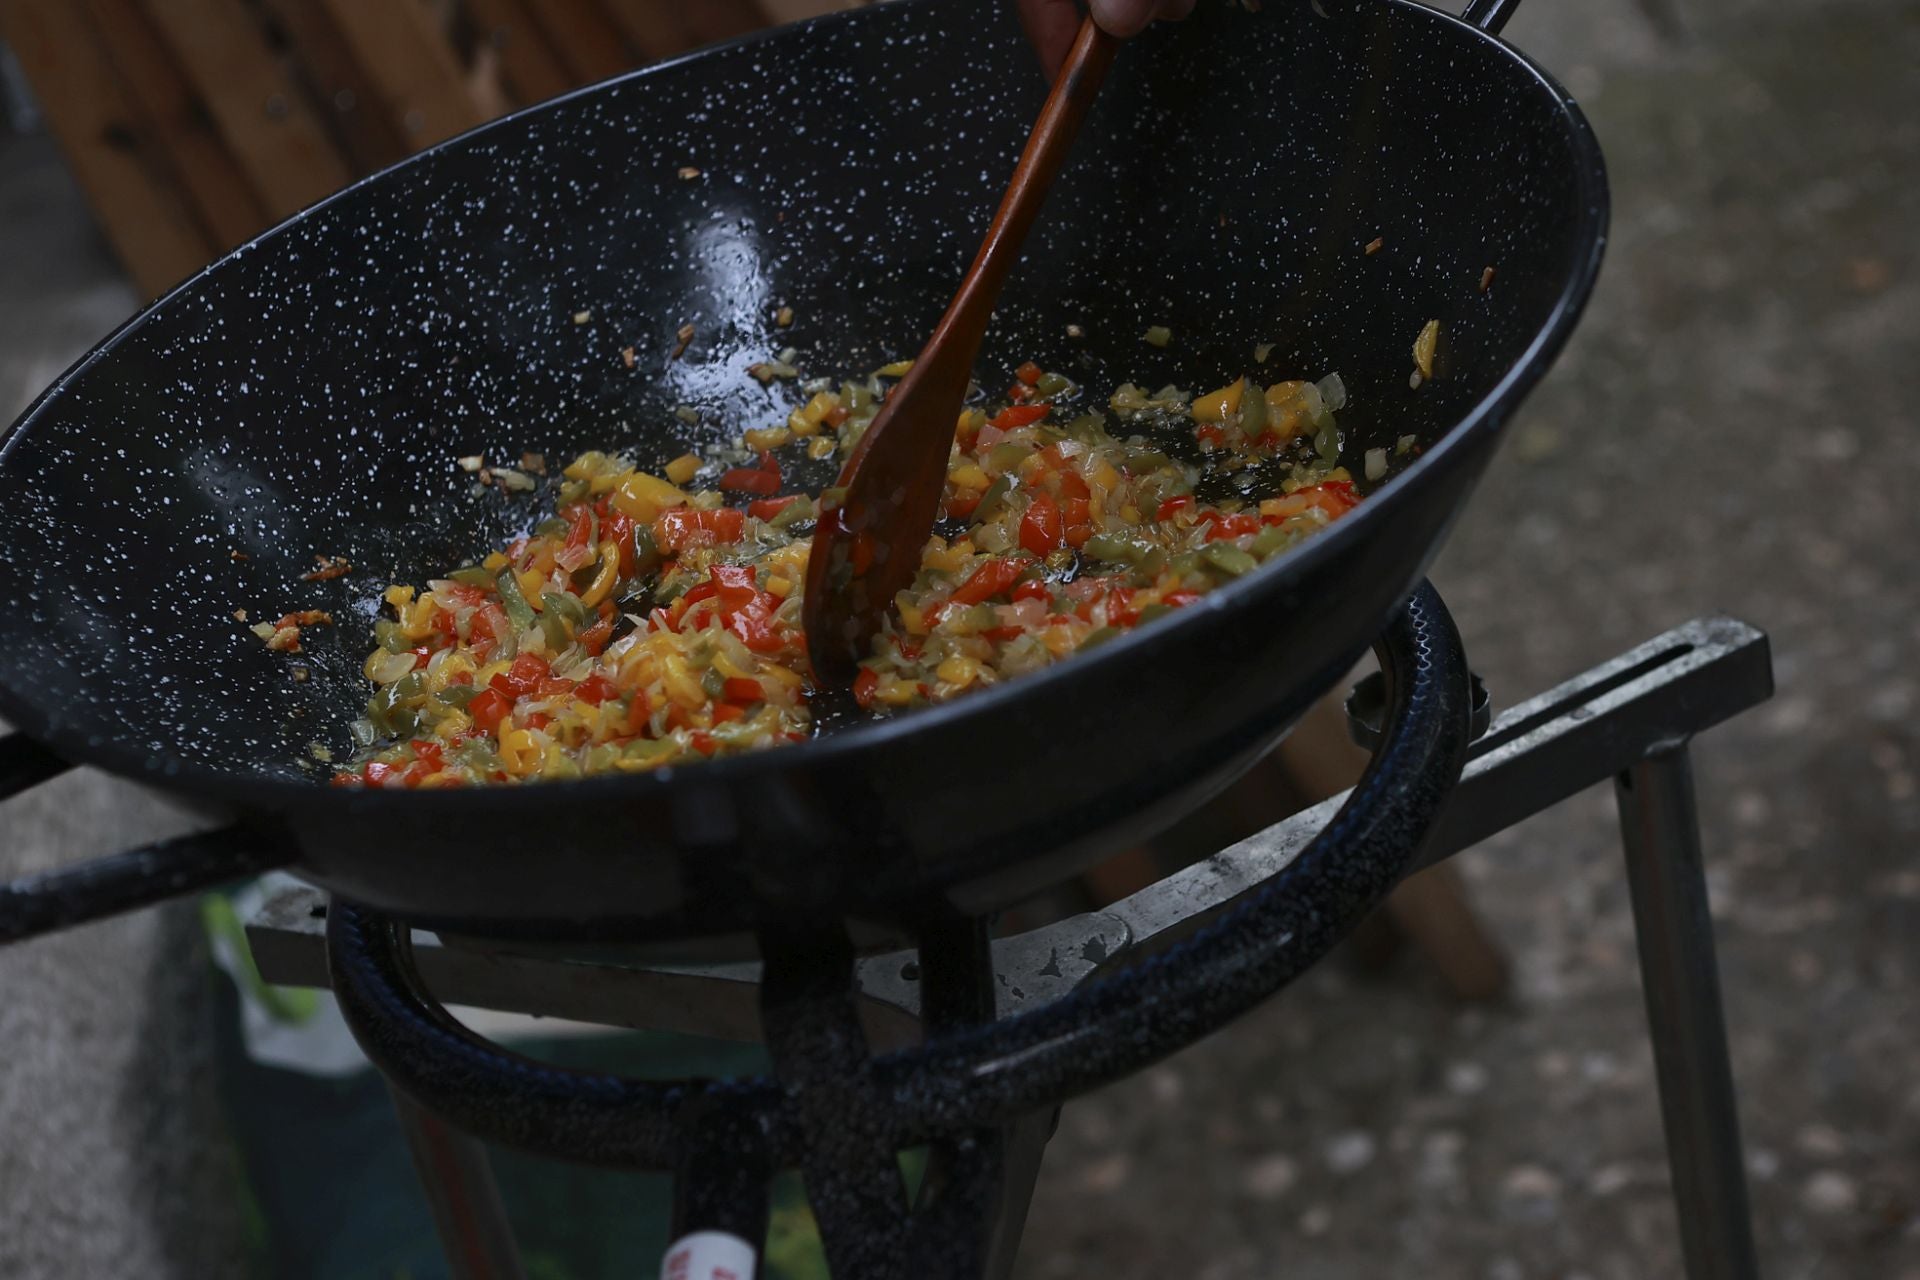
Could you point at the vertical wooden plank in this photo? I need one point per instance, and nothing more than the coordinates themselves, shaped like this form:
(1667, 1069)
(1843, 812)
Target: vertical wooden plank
(779, 11)
(265, 119)
(664, 28)
(723, 19)
(657, 28)
(589, 44)
(528, 63)
(346, 100)
(411, 65)
(213, 183)
(144, 217)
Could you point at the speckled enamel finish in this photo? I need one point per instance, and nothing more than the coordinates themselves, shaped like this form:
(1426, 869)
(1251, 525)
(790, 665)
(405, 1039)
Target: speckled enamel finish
(308, 395)
(965, 1078)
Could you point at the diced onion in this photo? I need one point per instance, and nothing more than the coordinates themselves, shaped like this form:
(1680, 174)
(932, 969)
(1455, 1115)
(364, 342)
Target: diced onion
(1333, 391)
(389, 668)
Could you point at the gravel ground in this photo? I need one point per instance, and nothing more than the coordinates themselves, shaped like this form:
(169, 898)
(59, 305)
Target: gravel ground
(1749, 356)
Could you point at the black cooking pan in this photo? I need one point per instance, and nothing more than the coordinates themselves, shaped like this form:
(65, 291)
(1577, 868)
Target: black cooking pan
(309, 394)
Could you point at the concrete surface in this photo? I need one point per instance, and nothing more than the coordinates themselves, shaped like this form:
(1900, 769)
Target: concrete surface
(1733, 429)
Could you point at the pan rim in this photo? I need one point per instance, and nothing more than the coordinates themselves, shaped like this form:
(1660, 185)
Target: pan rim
(845, 747)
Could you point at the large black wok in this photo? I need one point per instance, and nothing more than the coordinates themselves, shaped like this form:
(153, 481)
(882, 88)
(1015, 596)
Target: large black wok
(309, 393)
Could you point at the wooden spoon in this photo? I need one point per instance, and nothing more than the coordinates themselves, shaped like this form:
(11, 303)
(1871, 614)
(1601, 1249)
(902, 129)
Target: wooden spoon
(867, 546)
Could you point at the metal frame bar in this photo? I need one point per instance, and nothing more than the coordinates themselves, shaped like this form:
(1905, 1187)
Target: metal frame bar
(1668, 884)
(1626, 719)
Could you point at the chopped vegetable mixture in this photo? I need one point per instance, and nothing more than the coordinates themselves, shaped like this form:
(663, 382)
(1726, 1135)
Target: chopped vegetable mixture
(655, 619)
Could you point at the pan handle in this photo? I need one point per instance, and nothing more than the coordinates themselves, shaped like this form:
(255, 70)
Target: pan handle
(25, 763)
(107, 886)
(1489, 15)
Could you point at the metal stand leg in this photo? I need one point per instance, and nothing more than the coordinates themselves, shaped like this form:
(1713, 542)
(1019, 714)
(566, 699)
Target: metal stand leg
(466, 1204)
(1026, 1146)
(1682, 984)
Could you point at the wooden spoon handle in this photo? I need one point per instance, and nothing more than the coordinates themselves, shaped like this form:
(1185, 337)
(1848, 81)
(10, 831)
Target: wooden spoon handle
(1074, 89)
(868, 545)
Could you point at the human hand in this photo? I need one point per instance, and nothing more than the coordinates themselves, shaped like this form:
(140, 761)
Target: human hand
(1051, 24)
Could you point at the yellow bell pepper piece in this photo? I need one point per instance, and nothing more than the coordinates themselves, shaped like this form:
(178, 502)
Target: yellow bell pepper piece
(681, 686)
(762, 439)
(969, 476)
(417, 619)
(643, 497)
(785, 675)
(450, 666)
(959, 671)
(602, 585)
(519, 752)
(683, 468)
(1425, 347)
(912, 618)
(1218, 406)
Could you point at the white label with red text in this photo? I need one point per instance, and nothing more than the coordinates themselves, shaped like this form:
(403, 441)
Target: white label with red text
(708, 1255)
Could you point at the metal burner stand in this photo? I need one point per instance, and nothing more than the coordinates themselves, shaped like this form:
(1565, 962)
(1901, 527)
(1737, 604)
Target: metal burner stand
(970, 1044)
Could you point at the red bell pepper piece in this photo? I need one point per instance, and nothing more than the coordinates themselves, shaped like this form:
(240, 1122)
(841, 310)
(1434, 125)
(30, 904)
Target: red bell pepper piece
(579, 526)
(744, 691)
(754, 625)
(1173, 507)
(768, 508)
(681, 529)
(865, 685)
(1018, 415)
(488, 709)
(1232, 526)
(1028, 373)
(595, 689)
(594, 638)
(553, 687)
(724, 712)
(750, 480)
(962, 504)
(1040, 529)
(991, 579)
(617, 528)
(1032, 591)
(526, 673)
